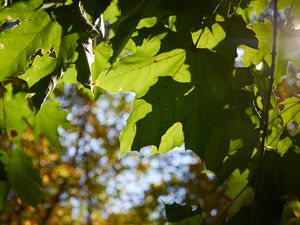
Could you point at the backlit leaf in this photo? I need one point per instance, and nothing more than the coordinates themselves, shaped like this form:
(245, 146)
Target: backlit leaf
(209, 39)
(40, 68)
(48, 120)
(21, 42)
(138, 72)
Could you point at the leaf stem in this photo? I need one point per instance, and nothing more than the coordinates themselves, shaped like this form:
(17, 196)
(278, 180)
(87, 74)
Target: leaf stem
(283, 111)
(265, 118)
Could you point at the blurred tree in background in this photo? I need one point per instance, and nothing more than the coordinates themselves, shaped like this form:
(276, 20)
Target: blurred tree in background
(86, 183)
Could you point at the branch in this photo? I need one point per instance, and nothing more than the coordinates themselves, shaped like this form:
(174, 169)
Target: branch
(265, 118)
(62, 187)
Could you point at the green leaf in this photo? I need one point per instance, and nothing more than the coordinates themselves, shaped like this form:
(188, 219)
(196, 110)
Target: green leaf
(290, 111)
(296, 11)
(264, 34)
(3, 162)
(112, 12)
(138, 72)
(19, 10)
(46, 122)
(131, 15)
(281, 177)
(155, 124)
(211, 113)
(287, 41)
(237, 33)
(19, 44)
(194, 220)
(75, 21)
(3, 193)
(176, 213)
(284, 145)
(11, 120)
(50, 74)
(282, 4)
(173, 137)
(147, 22)
(84, 62)
(41, 67)
(95, 8)
(67, 50)
(209, 39)
(44, 87)
(190, 14)
(102, 53)
(141, 109)
(237, 183)
(23, 178)
(259, 5)
(2, 4)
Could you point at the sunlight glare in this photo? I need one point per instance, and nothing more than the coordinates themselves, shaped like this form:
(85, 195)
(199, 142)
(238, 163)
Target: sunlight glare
(259, 66)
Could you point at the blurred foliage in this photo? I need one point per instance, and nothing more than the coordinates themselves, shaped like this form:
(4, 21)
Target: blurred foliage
(83, 177)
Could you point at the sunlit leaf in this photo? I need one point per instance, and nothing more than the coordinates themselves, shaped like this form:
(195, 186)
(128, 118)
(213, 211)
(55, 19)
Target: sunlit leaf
(102, 54)
(209, 39)
(21, 42)
(198, 106)
(138, 72)
(141, 109)
(173, 137)
(41, 67)
(133, 13)
(287, 41)
(48, 120)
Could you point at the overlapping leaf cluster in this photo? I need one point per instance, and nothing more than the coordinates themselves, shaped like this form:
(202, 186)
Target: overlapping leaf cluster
(40, 42)
(180, 59)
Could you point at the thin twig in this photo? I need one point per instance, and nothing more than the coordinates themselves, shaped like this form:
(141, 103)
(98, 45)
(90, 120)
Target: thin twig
(283, 111)
(279, 133)
(214, 11)
(230, 23)
(229, 205)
